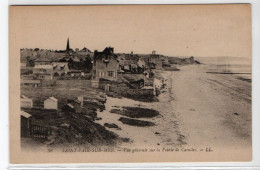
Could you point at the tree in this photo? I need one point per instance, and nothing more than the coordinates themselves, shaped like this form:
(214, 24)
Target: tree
(88, 64)
(29, 61)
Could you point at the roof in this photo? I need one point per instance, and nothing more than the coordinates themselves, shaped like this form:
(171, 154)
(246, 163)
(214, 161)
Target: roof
(31, 81)
(131, 57)
(59, 62)
(25, 114)
(70, 105)
(134, 65)
(75, 71)
(107, 53)
(77, 101)
(44, 66)
(147, 87)
(53, 99)
(85, 50)
(24, 97)
(42, 60)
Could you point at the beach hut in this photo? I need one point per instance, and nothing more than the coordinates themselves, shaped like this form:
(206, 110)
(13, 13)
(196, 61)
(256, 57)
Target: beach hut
(77, 106)
(51, 103)
(26, 102)
(81, 99)
(25, 124)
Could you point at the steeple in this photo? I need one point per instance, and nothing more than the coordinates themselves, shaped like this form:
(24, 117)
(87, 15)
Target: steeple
(68, 45)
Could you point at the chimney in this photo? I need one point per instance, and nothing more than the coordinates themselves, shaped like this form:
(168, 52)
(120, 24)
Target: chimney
(111, 49)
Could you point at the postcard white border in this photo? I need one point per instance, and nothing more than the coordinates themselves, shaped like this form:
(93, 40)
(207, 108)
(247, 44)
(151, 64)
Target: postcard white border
(4, 118)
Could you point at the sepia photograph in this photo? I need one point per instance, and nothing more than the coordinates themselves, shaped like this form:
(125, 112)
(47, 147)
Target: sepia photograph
(130, 83)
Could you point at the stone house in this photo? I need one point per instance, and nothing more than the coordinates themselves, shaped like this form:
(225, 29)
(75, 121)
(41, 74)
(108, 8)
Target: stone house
(42, 62)
(153, 61)
(60, 68)
(43, 72)
(131, 63)
(105, 65)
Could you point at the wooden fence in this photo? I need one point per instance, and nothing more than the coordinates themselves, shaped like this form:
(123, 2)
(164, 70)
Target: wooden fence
(38, 131)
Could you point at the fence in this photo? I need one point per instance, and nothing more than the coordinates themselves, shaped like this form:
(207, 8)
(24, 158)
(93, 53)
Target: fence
(38, 131)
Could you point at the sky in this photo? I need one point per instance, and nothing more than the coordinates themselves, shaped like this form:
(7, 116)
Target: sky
(173, 30)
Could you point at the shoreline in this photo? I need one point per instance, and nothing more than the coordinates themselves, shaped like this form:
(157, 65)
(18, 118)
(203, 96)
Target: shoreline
(188, 116)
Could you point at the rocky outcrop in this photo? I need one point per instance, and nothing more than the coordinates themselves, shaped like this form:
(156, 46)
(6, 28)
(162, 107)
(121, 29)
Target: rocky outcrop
(182, 61)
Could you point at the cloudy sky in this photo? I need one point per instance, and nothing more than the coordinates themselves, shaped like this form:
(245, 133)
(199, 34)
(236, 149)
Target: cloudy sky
(183, 30)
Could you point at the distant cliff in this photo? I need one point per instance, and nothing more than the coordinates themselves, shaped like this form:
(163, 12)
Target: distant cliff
(182, 61)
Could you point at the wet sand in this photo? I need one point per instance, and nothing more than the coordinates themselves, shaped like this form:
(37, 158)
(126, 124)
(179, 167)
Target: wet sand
(215, 109)
(196, 110)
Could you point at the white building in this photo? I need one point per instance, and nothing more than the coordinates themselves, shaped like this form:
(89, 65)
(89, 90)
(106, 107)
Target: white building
(26, 102)
(158, 83)
(51, 103)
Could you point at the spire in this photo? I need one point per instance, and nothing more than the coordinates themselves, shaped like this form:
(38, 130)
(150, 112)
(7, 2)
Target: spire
(68, 45)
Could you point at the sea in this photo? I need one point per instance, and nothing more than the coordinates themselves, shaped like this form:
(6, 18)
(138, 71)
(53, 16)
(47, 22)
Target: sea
(237, 65)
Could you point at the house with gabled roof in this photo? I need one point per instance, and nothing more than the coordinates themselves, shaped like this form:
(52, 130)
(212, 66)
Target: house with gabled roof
(51, 103)
(26, 121)
(105, 65)
(60, 68)
(43, 72)
(26, 102)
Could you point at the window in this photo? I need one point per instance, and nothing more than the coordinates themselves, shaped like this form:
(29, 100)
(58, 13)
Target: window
(101, 74)
(110, 73)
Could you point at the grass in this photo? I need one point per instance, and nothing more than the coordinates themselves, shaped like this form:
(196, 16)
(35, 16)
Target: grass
(81, 129)
(64, 90)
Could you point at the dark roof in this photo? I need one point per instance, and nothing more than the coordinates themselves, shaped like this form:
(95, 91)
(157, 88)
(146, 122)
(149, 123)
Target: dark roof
(107, 53)
(77, 101)
(131, 57)
(25, 114)
(84, 50)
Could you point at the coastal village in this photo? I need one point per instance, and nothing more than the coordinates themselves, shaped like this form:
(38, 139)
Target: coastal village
(62, 91)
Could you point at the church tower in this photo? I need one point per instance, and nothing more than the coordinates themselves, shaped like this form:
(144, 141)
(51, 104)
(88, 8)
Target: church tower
(68, 45)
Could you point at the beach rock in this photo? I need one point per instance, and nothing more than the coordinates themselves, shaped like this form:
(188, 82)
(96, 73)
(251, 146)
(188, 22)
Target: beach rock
(136, 112)
(135, 122)
(112, 125)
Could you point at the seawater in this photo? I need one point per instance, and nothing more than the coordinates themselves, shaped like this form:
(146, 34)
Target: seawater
(238, 65)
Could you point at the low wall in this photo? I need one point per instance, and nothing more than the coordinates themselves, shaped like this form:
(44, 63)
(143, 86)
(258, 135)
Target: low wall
(123, 90)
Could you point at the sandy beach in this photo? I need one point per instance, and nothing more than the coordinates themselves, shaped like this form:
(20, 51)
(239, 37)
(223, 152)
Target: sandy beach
(197, 109)
(215, 109)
